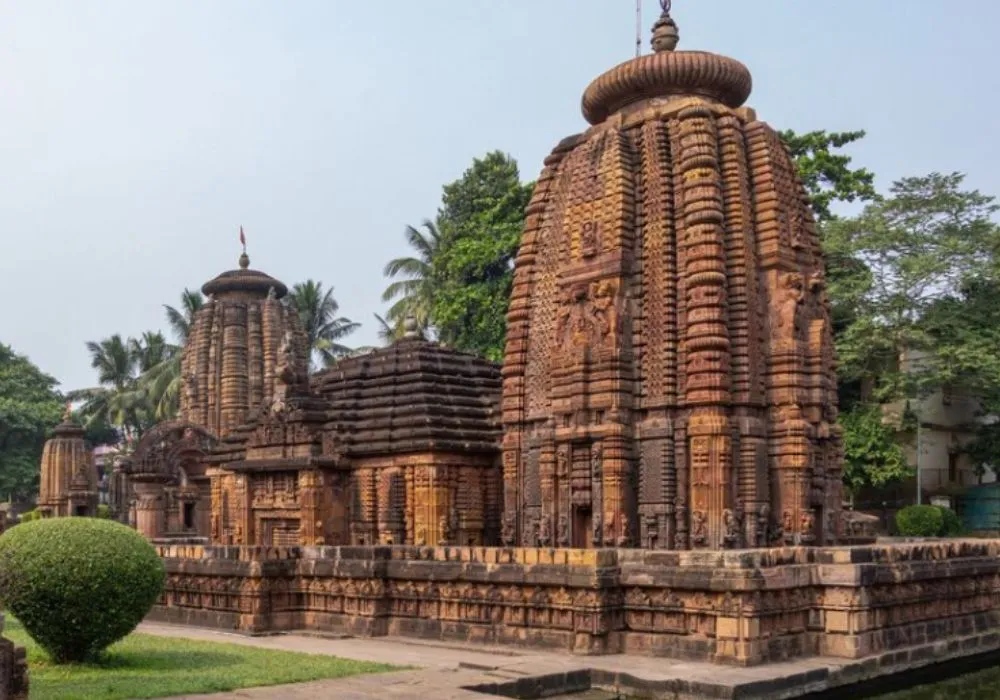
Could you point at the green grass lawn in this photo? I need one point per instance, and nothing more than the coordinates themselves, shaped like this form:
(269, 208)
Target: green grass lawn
(147, 666)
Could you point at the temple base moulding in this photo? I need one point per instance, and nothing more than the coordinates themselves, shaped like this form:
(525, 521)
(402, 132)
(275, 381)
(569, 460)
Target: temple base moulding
(741, 607)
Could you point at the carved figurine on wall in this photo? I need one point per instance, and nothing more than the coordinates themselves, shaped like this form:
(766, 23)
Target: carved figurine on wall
(571, 327)
(787, 525)
(598, 530)
(589, 240)
(507, 534)
(624, 540)
(731, 528)
(699, 528)
(545, 534)
(808, 524)
(790, 295)
(191, 388)
(443, 531)
(562, 462)
(562, 533)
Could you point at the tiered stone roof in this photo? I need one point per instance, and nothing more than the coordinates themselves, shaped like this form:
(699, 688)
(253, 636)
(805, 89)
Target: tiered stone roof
(412, 396)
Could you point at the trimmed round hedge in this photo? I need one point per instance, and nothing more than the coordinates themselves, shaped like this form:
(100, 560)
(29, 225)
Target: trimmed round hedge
(928, 521)
(78, 584)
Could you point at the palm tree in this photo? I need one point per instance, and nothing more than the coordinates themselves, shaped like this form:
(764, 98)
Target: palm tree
(388, 333)
(117, 400)
(151, 350)
(162, 380)
(318, 312)
(413, 292)
(180, 320)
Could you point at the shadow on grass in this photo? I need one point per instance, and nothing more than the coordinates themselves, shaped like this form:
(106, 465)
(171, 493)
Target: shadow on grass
(164, 660)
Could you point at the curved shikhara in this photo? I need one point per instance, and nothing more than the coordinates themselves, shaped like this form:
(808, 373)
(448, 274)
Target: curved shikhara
(669, 373)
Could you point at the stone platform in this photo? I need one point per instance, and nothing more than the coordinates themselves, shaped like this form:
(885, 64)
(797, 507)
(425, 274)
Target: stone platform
(472, 672)
(744, 607)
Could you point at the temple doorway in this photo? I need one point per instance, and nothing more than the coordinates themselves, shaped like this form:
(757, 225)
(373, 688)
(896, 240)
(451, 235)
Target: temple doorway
(189, 516)
(582, 527)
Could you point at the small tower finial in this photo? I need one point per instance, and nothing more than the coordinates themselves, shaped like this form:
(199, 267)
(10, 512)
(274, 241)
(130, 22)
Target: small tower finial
(68, 413)
(411, 331)
(244, 259)
(665, 33)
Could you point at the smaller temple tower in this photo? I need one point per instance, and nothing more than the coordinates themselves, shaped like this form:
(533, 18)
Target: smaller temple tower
(245, 347)
(241, 343)
(69, 478)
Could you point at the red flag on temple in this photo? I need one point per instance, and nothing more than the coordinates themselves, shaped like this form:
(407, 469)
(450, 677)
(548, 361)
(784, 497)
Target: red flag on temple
(243, 239)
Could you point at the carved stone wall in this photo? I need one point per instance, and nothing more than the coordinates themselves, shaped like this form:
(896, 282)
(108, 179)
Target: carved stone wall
(735, 608)
(669, 324)
(164, 484)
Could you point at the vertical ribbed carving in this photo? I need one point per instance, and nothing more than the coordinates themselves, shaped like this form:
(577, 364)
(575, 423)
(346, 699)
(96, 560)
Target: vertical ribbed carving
(255, 356)
(706, 336)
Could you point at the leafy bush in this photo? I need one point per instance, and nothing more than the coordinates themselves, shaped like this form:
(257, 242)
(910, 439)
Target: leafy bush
(920, 521)
(78, 584)
(103, 511)
(30, 515)
(951, 524)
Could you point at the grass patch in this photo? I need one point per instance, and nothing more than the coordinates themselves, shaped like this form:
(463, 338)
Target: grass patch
(147, 666)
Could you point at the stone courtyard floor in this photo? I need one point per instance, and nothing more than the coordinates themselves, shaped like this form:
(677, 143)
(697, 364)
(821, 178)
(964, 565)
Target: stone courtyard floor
(444, 671)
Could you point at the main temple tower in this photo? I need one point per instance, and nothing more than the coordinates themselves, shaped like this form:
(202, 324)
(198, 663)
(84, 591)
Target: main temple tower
(669, 373)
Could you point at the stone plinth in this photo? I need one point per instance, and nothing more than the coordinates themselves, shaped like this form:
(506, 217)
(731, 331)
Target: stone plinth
(743, 608)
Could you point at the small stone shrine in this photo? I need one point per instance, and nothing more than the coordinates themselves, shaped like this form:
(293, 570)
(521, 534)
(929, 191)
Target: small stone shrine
(669, 374)
(399, 446)
(69, 478)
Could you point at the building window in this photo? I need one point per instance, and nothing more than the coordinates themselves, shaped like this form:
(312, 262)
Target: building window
(953, 467)
(189, 516)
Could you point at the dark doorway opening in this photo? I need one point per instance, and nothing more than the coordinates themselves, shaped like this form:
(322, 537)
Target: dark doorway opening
(80, 511)
(189, 516)
(582, 527)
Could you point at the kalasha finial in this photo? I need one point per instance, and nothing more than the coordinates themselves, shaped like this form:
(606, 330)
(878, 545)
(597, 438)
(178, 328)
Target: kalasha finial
(411, 331)
(244, 261)
(68, 413)
(665, 33)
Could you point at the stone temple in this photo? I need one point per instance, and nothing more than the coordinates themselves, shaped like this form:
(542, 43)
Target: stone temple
(655, 469)
(669, 375)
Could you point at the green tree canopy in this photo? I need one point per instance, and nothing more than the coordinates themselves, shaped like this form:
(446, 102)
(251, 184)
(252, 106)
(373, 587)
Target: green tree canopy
(29, 408)
(926, 245)
(479, 222)
(872, 455)
(827, 175)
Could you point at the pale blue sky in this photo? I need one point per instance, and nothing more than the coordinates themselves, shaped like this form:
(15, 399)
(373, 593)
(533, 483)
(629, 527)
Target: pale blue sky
(137, 135)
